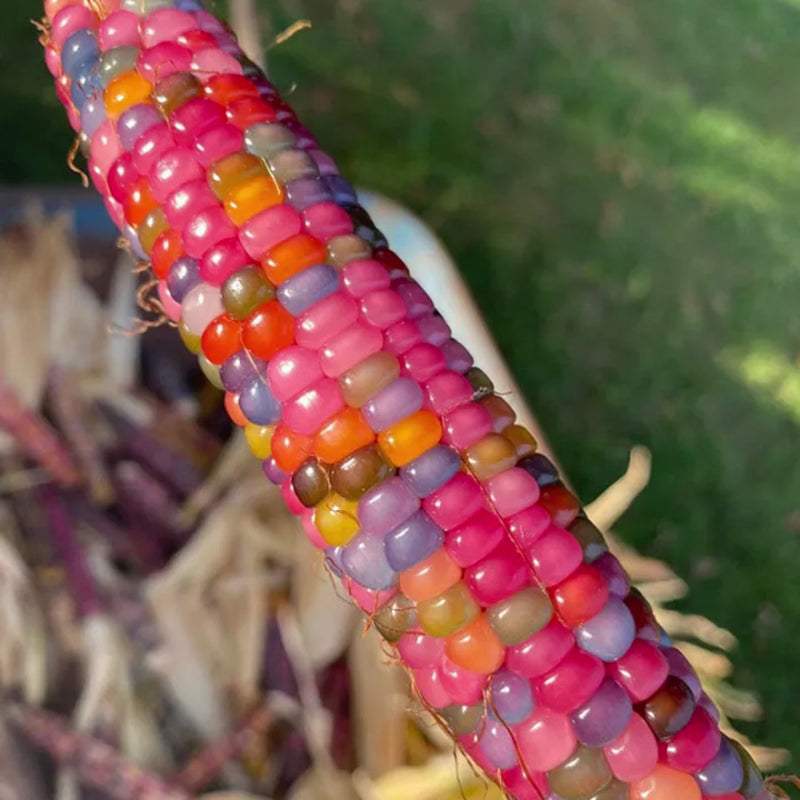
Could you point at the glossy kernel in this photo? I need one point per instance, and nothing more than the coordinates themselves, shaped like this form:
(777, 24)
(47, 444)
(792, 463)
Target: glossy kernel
(336, 520)
(259, 439)
(476, 647)
(490, 456)
(665, 783)
(153, 225)
(233, 171)
(140, 202)
(310, 483)
(669, 709)
(246, 290)
(251, 197)
(345, 433)
(579, 597)
(395, 618)
(267, 330)
(368, 377)
(124, 91)
(430, 577)
(360, 471)
(290, 449)
(174, 90)
(221, 338)
(349, 247)
(448, 612)
(520, 616)
(411, 437)
(293, 256)
(583, 774)
(522, 440)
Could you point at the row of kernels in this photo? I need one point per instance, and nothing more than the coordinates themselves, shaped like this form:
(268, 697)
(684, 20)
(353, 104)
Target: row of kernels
(350, 386)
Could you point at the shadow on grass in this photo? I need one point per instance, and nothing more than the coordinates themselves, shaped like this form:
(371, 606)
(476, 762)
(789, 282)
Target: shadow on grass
(620, 186)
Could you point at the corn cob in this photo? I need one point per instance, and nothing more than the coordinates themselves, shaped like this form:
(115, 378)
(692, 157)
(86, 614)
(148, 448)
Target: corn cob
(459, 541)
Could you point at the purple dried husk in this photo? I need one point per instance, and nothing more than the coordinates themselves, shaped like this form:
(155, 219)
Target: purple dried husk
(141, 445)
(69, 552)
(36, 438)
(96, 763)
(132, 548)
(69, 411)
(143, 499)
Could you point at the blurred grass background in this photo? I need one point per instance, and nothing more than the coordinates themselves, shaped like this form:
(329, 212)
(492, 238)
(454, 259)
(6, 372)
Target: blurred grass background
(619, 181)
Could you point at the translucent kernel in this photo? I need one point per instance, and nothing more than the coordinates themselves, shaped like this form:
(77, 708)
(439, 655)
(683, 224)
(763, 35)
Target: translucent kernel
(476, 647)
(251, 197)
(124, 91)
(259, 439)
(368, 377)
(583, 774)
(490, 456)
(520, 616)
(336, 520)
(411, 437)
(232, 171)
(448, 612)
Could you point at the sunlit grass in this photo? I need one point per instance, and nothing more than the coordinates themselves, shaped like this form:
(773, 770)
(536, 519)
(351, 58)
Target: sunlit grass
(769, 372)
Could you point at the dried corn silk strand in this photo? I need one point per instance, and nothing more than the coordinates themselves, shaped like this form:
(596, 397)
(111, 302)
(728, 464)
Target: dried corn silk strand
(446, 526)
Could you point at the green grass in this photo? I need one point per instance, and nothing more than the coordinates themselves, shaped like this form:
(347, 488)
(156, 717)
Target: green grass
(619, 181)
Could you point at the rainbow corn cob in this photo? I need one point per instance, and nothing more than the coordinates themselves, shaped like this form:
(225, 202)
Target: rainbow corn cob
(517, 626)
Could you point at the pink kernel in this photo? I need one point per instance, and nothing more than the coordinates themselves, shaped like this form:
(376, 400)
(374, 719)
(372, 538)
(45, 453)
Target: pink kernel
(326, 221)
(423, 361)
(528, 525)
(420, 650)
(571, 682)
(383, 308)
(555, 556)
(306, 412)
(206, 229)
(541, 652)
(498, 575)
(194, 118)
(173, 169)
(693, 747)
(364, 276)
(634, 753)
(545, 739)
(455, 502)
(214, 61)
(217, 142)
(447, 390)
(512, 490)
(324, 320)
(70, 19)
(162, 60)
(465, 425)
(291, 371)
(269, 228)
(119, 29)
(428, 682)
(222, 260)
(165, 24)
(311, 530)
(172, 308)
(474, 539)
(402, 336)
(187, 200)
(349, 348)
